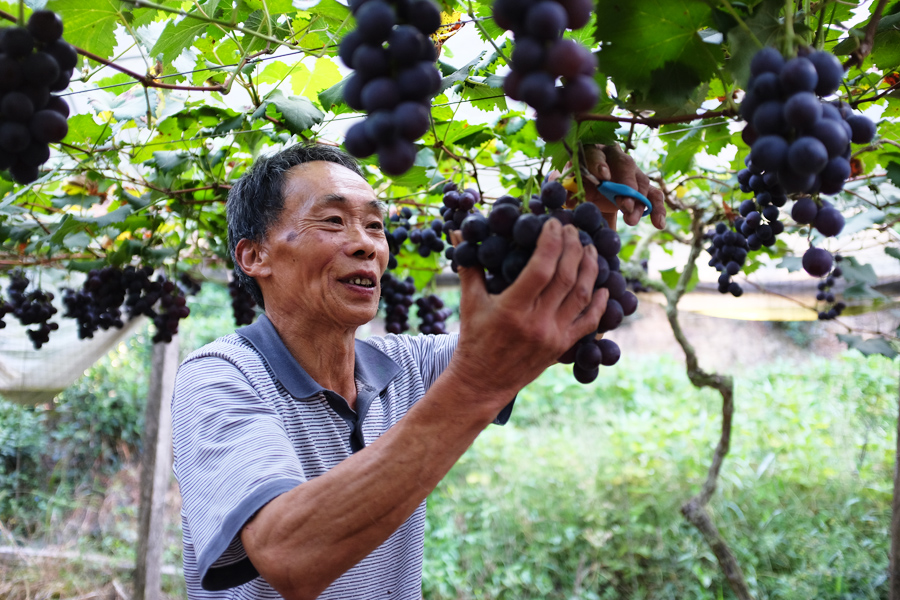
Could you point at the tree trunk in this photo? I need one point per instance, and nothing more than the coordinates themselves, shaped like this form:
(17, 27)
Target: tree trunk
(156, 466)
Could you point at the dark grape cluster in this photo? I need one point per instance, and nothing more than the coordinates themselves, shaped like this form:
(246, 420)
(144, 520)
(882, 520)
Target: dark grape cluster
(428, 239)
(397, 295)
(34, 61)
(541, 56)
(759, 221)
(32, 308)
(728, 252)
(821, 214)
(432, 314)
(796, 137)
(242, 303)
(457, 206)
(394, 78)
(97, 305)
(503, 242)
(832, 308)
(5, 309)
(172, 309)
(636, 285)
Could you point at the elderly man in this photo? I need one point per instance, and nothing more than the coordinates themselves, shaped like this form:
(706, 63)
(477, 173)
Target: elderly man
(304, 456)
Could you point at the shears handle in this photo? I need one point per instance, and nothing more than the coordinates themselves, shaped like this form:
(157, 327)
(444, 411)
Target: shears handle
(611, 190)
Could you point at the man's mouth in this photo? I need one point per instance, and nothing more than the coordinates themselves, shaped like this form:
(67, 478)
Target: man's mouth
(360, 281)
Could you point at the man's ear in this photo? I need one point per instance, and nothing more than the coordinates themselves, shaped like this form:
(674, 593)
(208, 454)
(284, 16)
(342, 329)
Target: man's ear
(251, 257)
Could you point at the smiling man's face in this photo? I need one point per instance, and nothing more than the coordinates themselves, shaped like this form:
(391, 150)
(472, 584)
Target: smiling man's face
(328, 250)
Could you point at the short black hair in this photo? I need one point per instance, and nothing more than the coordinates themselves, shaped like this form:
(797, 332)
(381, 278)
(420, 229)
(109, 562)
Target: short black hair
(256, 200)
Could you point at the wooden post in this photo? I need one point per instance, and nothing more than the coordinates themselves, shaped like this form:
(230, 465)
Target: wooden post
(894, 560)
(156, 468)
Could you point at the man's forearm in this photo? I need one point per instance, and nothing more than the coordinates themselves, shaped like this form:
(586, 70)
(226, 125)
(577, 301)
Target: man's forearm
(305, 539)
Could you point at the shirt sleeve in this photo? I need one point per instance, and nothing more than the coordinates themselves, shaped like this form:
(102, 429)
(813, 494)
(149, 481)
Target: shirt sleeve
(232, 456)
(433, 354)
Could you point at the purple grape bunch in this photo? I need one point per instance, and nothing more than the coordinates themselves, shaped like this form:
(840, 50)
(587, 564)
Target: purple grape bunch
(728, 251)
(831, 308)
(801, 139)
(394, 78)
(458, 204)
(242, 303)
(32, 308)
(542, 56)
(503, 242)
(397, 295)
(432, 314)
(34, 62)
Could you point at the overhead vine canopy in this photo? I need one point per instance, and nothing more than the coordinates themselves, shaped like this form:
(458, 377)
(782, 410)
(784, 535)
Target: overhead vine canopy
(171, 101)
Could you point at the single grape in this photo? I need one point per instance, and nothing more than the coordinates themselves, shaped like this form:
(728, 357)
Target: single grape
(767, 59)
(802, 110)
(546, 20)
(769, 152)
(807, 155)
(375, 19)
(358, 143)
(817, 261)
(45, 26)
(829, 221)
(798, 75)
(396, 157)
(863, 129)
(49, 126)
(611, 352)
(829, 70)
(554, 125)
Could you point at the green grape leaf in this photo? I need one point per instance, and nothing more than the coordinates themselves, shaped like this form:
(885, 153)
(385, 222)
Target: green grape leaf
(791, 263)
(482, 96)
(854, 272)
(652, 46)
(671, 276)
(895, 252)
(177, 37)
(875, 345)
(298, 113)
(89, 24)
(332, 99)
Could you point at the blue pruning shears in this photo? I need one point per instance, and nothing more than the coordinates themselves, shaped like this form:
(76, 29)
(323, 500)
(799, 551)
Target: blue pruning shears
(610, 189)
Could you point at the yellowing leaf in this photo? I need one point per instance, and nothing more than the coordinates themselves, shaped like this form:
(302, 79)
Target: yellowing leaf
(308, 83)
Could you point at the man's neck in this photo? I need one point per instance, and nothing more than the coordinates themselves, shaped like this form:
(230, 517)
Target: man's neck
(328, 356)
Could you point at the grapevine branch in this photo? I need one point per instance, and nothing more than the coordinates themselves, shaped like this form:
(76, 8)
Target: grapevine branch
(657, 121)
(695, 510)
(144, 80)
(868, 43)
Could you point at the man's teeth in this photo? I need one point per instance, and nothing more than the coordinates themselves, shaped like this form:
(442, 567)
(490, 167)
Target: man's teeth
(364, 281)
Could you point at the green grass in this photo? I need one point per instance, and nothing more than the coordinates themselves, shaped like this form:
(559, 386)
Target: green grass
(579, 496)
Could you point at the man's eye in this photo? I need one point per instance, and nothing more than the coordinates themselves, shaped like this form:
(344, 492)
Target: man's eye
(377, 225)
(335, 220)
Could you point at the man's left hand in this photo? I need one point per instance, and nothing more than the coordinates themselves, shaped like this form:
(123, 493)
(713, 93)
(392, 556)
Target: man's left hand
(610, 163)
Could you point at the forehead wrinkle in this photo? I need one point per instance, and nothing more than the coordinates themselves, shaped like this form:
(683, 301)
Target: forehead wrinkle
(332, 199)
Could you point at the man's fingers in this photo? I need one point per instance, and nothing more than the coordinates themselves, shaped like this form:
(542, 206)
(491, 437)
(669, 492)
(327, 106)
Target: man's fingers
(582, 292)
(658, 212)
(587, 321)
(566, 275)
(596, 162)
(541, 267)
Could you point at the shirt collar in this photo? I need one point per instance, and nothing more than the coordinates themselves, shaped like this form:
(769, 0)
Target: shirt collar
(373, 367)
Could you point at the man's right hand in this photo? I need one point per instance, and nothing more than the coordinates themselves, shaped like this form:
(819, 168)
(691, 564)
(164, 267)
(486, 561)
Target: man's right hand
(507, 340)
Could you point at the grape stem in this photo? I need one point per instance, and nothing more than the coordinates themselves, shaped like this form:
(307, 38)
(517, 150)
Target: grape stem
(206, 19)
(21, 13)
(657, 121)
(868, 42)
(789, 28)
(741, 23)
(484, 33)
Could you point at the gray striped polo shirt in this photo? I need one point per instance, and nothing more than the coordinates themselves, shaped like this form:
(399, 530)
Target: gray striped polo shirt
(249, 424)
